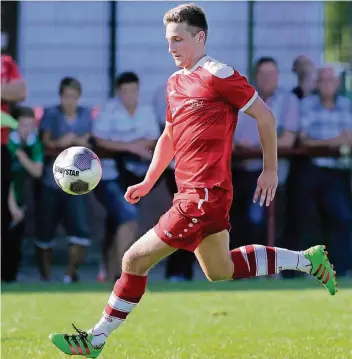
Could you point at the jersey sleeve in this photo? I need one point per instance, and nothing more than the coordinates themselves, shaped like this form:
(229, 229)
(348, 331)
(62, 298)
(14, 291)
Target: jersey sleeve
(235, 89)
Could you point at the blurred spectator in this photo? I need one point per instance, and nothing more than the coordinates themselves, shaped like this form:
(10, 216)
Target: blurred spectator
(13, 90)
(27, 159)
(131, 129)
(325, 182)
(179, 265)
(305, 70)
(303, 67)
(62, 126)
(249, 218)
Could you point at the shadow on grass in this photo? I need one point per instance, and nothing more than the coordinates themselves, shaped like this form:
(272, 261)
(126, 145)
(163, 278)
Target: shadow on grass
(165, 287)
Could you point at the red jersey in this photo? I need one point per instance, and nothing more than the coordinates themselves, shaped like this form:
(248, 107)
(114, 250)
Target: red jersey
(9, 73)
(203, 104)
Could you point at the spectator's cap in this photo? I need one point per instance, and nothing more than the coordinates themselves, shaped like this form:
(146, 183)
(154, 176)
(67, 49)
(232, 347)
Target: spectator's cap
(70, 82)
(126, 78)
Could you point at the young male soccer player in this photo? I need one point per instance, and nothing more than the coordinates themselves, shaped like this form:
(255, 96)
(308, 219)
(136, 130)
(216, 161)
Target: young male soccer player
(204, 98)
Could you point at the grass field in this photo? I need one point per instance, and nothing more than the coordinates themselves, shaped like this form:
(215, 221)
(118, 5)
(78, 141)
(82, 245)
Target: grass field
(248, 319)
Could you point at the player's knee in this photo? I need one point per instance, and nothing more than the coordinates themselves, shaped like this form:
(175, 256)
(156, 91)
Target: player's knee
(134, 262)
(218, 276)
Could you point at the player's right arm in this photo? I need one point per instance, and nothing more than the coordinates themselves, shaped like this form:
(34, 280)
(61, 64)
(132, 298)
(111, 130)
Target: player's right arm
(163, 155)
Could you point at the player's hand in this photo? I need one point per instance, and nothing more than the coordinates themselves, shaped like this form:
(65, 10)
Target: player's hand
(136, 192)
(266, 187)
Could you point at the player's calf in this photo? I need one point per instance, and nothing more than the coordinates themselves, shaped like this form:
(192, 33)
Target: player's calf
(258, 260)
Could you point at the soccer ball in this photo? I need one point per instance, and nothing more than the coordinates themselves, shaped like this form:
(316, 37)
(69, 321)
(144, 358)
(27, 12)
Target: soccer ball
(77, 170)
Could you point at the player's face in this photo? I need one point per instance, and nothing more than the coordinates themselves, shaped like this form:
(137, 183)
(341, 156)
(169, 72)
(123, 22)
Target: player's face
(183, 46)
(128, 94)
(267, 78)
(26, 125)
(69, 99)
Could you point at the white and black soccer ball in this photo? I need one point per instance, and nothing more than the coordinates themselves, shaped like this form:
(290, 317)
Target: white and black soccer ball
(77, 170)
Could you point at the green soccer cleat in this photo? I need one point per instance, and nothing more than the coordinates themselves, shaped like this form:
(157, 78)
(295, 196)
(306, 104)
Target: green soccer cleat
(76, 344)
(321, 267)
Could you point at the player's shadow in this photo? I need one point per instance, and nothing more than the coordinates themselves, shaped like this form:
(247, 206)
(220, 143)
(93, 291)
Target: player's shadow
(257, 284)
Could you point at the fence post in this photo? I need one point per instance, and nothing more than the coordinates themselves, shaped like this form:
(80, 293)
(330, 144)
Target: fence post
(112, 46)
(250, 41)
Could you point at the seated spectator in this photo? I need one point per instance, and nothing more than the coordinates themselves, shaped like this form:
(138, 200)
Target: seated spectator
(304, 68)
(26, 160)
(326, 182)
(248, 217)
(62, 126)
(131, 129)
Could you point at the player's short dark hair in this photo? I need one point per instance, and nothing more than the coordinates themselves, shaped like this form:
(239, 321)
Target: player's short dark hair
(23, 111)
(126, 78)
(265, 60)
(69, 82)
(192, 14)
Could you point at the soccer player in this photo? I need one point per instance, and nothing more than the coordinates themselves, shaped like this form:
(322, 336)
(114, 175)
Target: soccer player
(204, 98)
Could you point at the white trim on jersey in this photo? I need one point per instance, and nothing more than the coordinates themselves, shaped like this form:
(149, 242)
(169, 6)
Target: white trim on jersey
(168, 123)
(201, 62)
(250, 102)
(178, 72)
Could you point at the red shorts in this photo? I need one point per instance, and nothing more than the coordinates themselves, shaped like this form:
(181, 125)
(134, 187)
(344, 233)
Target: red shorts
(195, 214)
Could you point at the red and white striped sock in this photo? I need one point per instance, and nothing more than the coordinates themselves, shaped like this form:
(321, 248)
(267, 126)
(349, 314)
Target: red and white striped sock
(257, 260)
(127, 293)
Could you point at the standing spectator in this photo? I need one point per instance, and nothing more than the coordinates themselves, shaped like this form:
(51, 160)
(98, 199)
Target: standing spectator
(303, 67)
(179, 265)
(126, 127)
(325, 182)
(248, 217)
(13, 90)
(63, 126)
(27, 159)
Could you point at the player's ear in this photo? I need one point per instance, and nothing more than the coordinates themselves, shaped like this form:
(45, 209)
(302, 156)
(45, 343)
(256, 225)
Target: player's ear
(201, 37)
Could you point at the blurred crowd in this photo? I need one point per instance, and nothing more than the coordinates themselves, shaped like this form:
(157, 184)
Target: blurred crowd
(313, 114)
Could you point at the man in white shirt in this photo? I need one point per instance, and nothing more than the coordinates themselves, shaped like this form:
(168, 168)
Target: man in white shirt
(132, 129)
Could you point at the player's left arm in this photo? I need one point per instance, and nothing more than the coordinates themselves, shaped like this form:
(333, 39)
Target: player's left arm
(267, 132)
(236, 90)
(243, 97)
(15, 90)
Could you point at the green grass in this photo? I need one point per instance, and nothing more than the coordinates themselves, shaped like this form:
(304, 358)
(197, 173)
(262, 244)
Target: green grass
(247, 319)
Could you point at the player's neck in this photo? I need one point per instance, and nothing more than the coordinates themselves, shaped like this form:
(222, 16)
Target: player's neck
(195, 61)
